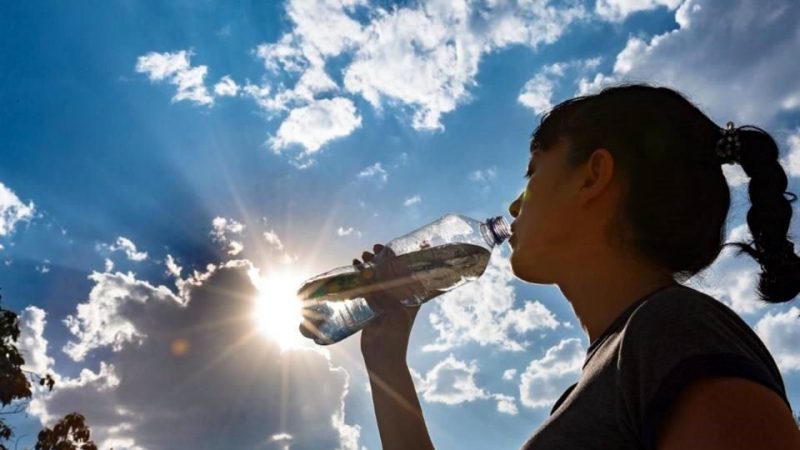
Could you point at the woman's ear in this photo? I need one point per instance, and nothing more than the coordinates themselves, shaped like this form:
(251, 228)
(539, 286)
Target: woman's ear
(596, 175)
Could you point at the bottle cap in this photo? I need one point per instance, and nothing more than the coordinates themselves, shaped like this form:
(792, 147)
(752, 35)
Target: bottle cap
(499, 229)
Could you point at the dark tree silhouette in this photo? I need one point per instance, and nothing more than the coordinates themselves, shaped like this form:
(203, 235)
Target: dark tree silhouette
(14, 384)
(69, 433)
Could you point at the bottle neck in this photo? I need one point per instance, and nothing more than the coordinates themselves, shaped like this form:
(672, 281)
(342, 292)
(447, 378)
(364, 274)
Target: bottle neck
(496, 230)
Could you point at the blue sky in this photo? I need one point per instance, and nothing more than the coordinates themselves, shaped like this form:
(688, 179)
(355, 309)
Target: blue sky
(154, 156)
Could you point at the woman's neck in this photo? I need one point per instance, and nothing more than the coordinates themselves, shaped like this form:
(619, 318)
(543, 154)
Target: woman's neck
(604, 287)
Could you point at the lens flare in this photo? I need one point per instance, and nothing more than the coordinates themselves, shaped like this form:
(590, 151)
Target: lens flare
(277, 311)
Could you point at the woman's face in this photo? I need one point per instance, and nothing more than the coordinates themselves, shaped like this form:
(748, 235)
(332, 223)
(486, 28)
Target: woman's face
(545, 212)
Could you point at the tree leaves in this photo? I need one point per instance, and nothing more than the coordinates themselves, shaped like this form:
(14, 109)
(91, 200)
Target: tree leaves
(48, 380)
(69, 433)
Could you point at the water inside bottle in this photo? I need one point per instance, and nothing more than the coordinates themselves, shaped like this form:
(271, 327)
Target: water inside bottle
(334, 302)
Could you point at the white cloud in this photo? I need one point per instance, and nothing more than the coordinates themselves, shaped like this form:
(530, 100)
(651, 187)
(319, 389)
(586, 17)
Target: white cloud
(412, 200)
(235, 247)
(375, 171)
(223, 231)
(32, 344)
(109, 265)
(288, 259)
(735, 175)
(226, 87)
(781, 333)
(126, 246)
(730, 279)
(150, 392)
(483, 312)
(272, 239)
(422, 58)
(509, 374)
(451, 382)
(349, 435)
(537, 93)
(176, 69)
(618, 10)
(322, 28)
(483, 175)
(100, 322)
(791, 162)
(427, 56)
(285, 54)
(12, 210)
(283, 438)
(545, 379)
(313, 82)
(703, 59)
(172, 267)
(315, 124)
(223, 226)
(506, 404)
(43, 268)
(276, 243)
(347, 231)
(532, 316)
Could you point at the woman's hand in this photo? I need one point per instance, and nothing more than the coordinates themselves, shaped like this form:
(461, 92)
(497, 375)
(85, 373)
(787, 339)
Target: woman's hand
(385, 338)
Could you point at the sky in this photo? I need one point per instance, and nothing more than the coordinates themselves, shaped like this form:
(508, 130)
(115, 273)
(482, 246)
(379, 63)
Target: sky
(171, 171)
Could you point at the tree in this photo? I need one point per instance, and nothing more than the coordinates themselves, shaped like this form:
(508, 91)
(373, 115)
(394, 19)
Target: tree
(69, 433)
(14, 384)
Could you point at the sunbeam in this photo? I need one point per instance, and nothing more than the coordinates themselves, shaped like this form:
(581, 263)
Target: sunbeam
(277, 311)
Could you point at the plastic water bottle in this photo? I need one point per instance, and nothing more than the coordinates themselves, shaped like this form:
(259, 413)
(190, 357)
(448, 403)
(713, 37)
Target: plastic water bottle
(415, 268)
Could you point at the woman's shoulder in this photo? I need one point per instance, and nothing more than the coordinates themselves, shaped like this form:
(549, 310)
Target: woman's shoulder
(682, 320)
(679, 335)
(681, 304)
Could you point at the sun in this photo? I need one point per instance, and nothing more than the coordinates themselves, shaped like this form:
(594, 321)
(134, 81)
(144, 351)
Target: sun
(277, 311)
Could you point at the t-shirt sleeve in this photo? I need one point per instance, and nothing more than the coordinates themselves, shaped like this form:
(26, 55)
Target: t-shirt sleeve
(672, 341)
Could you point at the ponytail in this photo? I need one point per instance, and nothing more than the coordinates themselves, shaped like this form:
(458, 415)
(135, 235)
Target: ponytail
(769, 217)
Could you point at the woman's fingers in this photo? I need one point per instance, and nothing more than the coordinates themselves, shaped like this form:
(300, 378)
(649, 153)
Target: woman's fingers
(367, 256)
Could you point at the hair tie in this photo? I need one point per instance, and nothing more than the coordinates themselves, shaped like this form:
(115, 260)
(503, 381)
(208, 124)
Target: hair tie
(729, 146)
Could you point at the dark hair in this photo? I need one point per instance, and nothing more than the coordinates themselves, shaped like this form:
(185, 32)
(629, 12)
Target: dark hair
(676, 196)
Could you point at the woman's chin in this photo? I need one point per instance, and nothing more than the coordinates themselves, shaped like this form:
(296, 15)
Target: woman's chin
(519, 266)
(522, 268)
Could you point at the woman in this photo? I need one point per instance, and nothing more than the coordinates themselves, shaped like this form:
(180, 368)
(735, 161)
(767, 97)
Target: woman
(625, 200)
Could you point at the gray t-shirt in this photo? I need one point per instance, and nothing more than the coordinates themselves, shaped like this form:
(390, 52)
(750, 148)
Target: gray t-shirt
(635, 369)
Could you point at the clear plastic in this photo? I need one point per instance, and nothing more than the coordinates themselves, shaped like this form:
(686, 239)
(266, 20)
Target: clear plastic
(428, 261)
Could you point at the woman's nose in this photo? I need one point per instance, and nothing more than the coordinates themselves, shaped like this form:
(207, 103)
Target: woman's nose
(513, 208)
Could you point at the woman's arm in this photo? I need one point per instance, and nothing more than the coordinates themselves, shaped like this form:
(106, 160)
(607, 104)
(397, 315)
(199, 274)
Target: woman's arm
(400, 421)
(384, 344)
